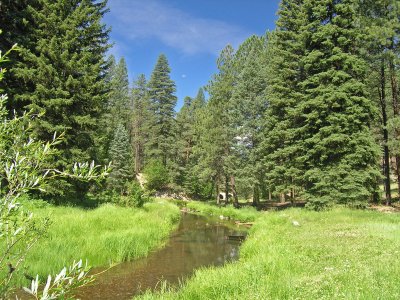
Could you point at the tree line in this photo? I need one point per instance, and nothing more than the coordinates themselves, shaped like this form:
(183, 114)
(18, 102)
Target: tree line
(308, 111)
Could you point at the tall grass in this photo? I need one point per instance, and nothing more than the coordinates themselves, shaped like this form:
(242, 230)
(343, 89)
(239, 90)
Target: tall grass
(108, 234)
(338, 254)
(245, 214)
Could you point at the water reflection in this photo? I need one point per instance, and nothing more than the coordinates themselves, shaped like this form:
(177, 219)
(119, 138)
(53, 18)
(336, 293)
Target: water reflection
(197, 242)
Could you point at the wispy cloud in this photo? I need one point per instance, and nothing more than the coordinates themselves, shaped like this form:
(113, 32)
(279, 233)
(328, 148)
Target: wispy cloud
(139, 19)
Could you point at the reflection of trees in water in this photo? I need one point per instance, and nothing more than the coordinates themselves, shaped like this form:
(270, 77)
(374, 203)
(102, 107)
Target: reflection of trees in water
(207, 244)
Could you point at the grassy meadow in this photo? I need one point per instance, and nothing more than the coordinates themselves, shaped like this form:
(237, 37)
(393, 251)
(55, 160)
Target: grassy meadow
(102, 236)
(337, 254)
(245, 214)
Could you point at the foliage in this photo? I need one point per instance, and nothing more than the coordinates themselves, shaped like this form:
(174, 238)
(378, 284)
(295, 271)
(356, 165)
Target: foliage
(136, 197)
(77, 275)
(140, 113)
(160, 122)
(121, 157)
(23, 168)
(245, 214)
(156, 175)
(60, 71)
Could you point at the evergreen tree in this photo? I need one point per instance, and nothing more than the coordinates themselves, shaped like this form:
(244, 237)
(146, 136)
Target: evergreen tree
(381, 27)
(281, 141)
(247, 111)
(184, 121)
(118, 97)
(140, 106)
(199, 101)
(161, 89)
(121, 157)
(189, 131)
(17, 26)
(215, 136)
(63, 75)
(117, 107)
(338, 150)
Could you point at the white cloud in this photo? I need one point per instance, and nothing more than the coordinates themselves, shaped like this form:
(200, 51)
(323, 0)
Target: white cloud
(183, 76)
(138, 19)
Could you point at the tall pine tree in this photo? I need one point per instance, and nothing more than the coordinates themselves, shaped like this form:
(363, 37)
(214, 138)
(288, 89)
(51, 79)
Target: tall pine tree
(140, 107)
(61, 73)
(121, 157)
(161, 89)
(338, 151)
(281, 141)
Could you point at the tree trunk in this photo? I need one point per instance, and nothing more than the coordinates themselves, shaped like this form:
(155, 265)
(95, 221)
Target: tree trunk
(226, 189)
(234, 192)
(386, 158)
(395, 103)
(256, 195)
(212, 189)
(283, 198)
(217, 191)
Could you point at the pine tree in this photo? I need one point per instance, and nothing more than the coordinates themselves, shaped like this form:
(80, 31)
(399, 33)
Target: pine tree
(213, 147)
(160, 125)
(184, 121)
(16, 24)
(118, 97)
(281, 141)
(117, 107)
(140, 106)
(188, 134)
(63, 75)
(121, 157)
(381, 29)
(339, 153)
(247, 110)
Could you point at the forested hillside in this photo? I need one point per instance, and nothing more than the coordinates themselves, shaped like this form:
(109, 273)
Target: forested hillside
(308, 111)
(306, 114)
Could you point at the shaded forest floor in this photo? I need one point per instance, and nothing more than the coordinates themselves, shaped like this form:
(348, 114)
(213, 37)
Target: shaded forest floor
(300, 254)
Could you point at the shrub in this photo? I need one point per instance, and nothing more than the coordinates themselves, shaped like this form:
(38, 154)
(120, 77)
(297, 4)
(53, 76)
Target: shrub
(136, 195)
(156, 175)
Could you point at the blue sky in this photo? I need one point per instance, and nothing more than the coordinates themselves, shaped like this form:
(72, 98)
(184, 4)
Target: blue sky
(191, 33)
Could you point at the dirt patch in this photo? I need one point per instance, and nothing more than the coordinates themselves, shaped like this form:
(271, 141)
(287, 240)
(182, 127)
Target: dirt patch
(394, 208)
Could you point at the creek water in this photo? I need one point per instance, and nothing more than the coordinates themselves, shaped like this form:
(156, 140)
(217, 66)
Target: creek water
(197, 242)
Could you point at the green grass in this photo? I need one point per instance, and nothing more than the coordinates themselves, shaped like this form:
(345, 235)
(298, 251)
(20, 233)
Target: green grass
(105, 235)
(245, 214)
(338, 254)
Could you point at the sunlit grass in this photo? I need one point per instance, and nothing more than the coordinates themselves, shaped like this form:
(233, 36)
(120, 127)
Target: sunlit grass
(245, 214)
(108, 234)
(338, 254)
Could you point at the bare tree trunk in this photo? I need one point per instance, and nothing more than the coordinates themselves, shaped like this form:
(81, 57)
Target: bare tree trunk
(269, 195)
(234, 192)
(386, 155)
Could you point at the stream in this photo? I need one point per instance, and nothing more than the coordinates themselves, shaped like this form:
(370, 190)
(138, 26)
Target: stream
(198, 242)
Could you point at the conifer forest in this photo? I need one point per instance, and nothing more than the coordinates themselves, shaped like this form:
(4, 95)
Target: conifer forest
(292, 148)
